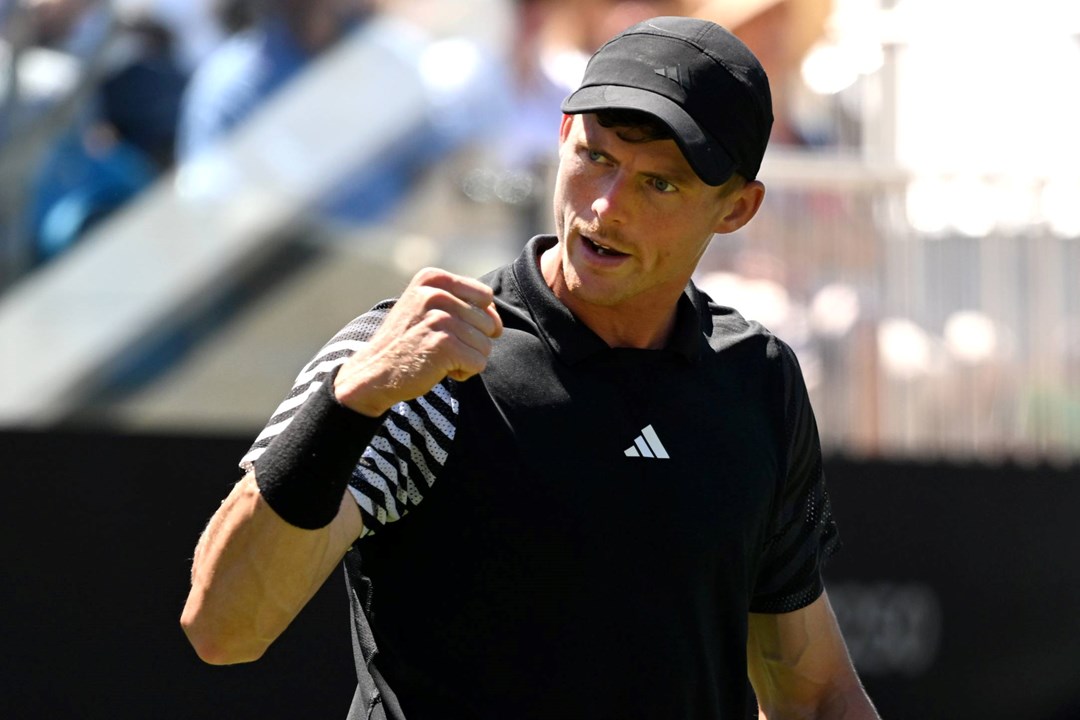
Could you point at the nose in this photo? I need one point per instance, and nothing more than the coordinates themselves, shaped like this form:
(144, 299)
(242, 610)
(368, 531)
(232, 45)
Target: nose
(611, 203)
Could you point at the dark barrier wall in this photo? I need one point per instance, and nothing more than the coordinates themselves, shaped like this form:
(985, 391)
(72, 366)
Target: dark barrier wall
(100, 530)
(958, 588)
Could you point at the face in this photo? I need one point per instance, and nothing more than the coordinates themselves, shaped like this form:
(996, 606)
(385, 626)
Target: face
(632, 218)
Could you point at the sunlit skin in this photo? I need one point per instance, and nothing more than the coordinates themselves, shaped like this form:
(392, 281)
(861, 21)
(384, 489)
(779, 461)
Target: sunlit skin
(653, 217)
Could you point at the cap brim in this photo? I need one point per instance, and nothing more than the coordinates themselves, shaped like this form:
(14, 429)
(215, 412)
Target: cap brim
(708, 159)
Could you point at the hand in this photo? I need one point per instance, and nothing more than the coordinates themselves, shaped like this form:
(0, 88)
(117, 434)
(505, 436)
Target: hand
(441, 326)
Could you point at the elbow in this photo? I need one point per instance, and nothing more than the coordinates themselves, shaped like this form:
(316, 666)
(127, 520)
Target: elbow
(217, 647)
(213, 652)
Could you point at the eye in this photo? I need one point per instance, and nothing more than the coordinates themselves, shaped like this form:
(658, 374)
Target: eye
(595, 156)
(663, 185)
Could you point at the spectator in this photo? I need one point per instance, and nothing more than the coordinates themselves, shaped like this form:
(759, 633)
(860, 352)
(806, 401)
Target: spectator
(554, 40)
(285, 37)
(123, 115)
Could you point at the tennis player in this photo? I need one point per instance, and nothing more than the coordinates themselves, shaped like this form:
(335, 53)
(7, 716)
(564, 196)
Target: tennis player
(576, 487)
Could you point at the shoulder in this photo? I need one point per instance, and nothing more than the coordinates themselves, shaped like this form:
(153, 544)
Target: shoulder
(232, 62)
(750, 349)
(222, 88)
(727, 328)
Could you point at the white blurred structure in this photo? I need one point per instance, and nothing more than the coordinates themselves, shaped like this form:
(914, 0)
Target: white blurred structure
(953, 237)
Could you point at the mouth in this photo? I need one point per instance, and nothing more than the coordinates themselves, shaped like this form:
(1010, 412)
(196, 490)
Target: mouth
(602, 250)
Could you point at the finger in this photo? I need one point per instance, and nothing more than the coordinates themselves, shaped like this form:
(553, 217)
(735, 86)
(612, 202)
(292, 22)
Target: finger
(485, 319)
(473, 337)
(469, 361)
(468, 289)
(493, 313)
(471, 291)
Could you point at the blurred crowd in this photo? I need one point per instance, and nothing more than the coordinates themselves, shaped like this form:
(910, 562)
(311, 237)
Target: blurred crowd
(941, 342)
(106, 96)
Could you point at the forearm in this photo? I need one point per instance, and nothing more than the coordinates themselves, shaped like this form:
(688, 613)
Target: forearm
(849, 703)
(800, 667)
(253, 572)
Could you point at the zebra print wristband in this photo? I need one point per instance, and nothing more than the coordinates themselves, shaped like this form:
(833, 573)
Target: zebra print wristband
(304, 471)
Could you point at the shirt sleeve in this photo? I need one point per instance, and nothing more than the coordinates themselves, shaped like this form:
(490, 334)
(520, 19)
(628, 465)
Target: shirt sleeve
(402, 460)
(803, 532)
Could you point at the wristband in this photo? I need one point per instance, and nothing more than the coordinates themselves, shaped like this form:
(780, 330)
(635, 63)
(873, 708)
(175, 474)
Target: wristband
(304, 471)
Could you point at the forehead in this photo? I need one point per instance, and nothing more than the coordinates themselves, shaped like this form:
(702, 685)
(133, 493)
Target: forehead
(662, 156)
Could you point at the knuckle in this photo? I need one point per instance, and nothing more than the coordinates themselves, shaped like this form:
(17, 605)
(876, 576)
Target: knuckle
(427, 275)
(438, 319)
(428, 301)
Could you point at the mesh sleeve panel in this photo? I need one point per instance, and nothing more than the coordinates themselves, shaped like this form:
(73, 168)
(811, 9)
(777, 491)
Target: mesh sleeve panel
(804, 533)
(403, 459)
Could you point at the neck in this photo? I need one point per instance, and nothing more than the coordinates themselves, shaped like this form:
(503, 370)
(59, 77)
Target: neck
(626, 327)
(645, 324)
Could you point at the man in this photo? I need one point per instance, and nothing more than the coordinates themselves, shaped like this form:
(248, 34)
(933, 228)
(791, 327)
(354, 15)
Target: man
(578, 488)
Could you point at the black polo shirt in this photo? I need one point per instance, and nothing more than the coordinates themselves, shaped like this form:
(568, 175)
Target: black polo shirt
(582, 530)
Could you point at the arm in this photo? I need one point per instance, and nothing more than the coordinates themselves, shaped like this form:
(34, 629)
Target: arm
(253, 572)
(799, 667)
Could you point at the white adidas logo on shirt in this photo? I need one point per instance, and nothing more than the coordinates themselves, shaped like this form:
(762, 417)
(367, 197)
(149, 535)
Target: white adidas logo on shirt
(648, 445)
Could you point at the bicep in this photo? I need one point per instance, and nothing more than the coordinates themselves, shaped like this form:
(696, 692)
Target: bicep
(797, 661)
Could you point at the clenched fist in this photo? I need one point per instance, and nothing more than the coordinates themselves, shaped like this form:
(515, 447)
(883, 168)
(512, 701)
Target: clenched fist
(441, 326)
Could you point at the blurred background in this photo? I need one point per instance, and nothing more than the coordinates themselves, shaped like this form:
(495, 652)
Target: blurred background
(195, 194)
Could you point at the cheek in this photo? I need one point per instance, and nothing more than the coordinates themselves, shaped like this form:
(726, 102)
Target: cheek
(569, 192)
(560, 222)
(559, 199)
(679, 250)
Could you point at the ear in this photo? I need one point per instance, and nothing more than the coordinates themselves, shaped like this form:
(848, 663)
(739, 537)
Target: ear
(743, 205)
(564, 127)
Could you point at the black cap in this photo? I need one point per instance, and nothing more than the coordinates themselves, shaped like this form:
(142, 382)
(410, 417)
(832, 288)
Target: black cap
(696, 77)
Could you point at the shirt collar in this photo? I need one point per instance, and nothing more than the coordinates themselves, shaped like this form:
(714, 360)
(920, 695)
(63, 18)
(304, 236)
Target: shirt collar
(570, 339)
